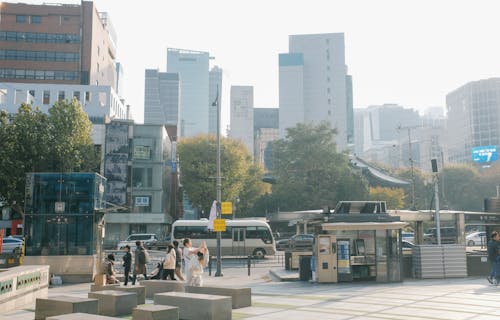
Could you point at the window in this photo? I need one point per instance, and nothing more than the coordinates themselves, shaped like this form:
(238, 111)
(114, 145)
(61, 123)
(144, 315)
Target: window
(46, 97)
(60, 96)
(87, 96)
(21, 19)
(142, 177)
(76, 95)
(36, 19)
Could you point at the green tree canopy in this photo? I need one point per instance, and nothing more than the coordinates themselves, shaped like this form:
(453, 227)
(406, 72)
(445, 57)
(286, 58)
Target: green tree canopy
(240, 178)
(32, 141)
(309, 173)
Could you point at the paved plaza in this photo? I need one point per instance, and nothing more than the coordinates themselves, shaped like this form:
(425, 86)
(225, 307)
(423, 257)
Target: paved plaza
(468, 298)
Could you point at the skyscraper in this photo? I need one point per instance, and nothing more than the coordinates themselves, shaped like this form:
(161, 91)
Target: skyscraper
(55, 43)
(473, 118)
(215, 81)
(192, 67)
(162, 98)
(314, 85)
(242, 115)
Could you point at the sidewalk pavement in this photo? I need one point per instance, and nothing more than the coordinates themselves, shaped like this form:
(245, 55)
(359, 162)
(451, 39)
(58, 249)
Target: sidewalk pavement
(456, 299)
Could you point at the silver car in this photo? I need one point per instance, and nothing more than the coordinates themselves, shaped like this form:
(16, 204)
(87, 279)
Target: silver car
(12, 245)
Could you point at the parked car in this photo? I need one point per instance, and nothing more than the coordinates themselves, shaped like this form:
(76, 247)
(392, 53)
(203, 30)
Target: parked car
(448, 235)
(282, 244)
(476, 238)
(302, 241)
(408, 236)
(149, 240)
(12, 245)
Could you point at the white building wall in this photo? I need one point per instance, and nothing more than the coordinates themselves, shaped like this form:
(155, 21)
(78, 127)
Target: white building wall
(242, 115)
(291, 97)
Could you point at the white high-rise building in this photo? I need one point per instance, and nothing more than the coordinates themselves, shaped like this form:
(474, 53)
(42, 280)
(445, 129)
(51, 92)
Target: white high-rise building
(162, 98)
(242, 115)
(313, 87)
(192, 67)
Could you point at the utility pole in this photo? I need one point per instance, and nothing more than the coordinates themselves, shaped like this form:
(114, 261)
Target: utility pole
(436, 196)
(410, 158)
(218, 184)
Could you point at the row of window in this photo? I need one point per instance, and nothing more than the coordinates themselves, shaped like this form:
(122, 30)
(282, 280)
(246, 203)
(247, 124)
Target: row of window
(38, 37)
(38, 74)
(201, 232)
(20, 18)
(39, 56)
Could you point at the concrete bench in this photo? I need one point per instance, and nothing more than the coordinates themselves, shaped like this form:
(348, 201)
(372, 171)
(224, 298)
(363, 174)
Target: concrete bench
(158, 286)
(155, 312)
(196, 306)
(114, 303)
(47, 307)
(241, 297)
(99, 287)
(81, 316)
(140, 291)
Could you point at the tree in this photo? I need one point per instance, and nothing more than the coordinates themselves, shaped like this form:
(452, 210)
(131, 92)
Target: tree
(309, 173)
(240, 178)
(32, 141)
(394, 197)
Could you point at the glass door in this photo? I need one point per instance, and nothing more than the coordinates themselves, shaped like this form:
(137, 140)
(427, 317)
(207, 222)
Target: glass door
(239, 241)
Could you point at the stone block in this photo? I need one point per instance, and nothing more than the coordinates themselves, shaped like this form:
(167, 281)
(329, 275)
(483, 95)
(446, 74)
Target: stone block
(47, 307)
(114, 303)
(139, 290)
(155, 312)
(158, 286)
(196, 306)
(241, 297)
(100, 287)
(81, 316)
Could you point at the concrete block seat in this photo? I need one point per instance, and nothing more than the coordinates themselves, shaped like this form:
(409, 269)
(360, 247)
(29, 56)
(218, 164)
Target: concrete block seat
(140, 291)
(59, 305)
(114, 303)
(80, 316)
(158, 286)
(196, 306)
(241, 297)
(155, 312)
(100, 287)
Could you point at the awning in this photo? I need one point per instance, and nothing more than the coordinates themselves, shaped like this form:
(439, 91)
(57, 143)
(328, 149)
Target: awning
(363, 225)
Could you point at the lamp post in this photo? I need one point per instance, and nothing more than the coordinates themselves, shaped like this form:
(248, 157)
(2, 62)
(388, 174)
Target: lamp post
(218, 184)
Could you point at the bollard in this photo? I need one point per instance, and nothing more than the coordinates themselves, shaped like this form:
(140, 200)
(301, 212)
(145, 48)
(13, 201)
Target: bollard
(210, 266)
(248, 263)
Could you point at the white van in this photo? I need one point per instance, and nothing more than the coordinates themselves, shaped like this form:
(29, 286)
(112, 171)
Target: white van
(149, 240)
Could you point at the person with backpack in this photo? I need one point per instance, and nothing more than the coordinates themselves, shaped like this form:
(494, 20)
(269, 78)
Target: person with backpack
(141, 257)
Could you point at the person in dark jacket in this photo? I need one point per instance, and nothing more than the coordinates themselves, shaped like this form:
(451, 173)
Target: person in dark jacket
(127, 263)
(493, 247)
(141, 257)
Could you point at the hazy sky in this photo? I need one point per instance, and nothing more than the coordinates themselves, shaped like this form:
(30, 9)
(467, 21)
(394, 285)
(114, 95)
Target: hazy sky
(407, 52)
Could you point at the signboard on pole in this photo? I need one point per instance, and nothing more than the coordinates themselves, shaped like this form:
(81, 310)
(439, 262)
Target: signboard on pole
(227, 208)
(220, 225)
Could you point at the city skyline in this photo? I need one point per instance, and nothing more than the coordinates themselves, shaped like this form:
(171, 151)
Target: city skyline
(410, 53)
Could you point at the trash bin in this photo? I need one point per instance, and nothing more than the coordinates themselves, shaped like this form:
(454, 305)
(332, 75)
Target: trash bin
(305, 268)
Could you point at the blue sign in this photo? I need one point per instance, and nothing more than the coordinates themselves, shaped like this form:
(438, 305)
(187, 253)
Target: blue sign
(485, 154)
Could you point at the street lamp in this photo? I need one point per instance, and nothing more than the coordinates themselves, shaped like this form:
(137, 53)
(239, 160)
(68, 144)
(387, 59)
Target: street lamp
(218, 184)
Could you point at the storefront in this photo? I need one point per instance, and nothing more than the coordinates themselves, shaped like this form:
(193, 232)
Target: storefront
(350, 251)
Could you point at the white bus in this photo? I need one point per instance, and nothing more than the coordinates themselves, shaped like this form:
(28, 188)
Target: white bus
(241, 238)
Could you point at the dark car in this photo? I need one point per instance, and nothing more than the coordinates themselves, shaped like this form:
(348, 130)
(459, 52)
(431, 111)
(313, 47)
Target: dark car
(448, 235)
(302, 242)
(282, 244)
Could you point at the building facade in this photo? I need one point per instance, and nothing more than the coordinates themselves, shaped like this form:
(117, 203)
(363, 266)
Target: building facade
(162, 93)
(314, 86)
(192, 67)
(473, 118)
(242, 116)
(57, 43)
(265, 127)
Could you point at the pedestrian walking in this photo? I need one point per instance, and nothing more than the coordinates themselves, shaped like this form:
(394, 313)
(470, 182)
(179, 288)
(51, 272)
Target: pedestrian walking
(178, 260)
(127, 263)
(141, 258)
(188, 253)
(169, 264)
(493, 250)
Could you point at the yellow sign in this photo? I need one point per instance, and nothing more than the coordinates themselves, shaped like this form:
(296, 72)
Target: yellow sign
(220, 225)
(227, 208)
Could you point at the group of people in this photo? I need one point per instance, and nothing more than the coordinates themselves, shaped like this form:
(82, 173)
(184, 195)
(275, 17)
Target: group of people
(193, 259)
